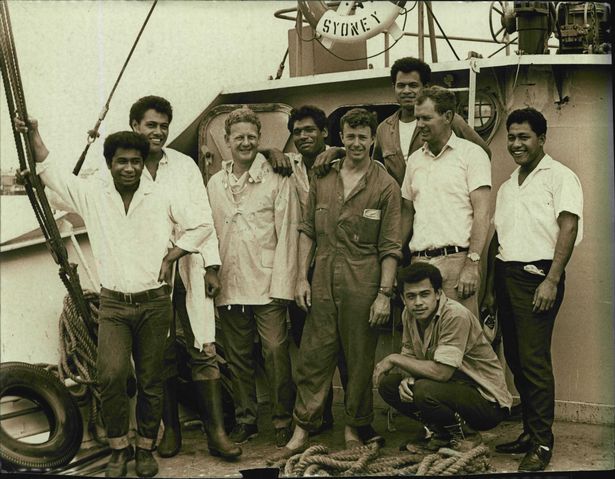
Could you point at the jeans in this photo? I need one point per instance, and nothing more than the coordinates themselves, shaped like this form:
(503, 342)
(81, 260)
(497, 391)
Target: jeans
(527, 344)
(450, 266)
(238, 324)
(139, 329)
(435, 403)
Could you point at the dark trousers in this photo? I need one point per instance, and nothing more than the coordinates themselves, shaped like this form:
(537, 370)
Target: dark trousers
(337, 324)
(139, 329)
(239, 324)
(203, 363)
(297, 323)
(435, 403)
(527, 344)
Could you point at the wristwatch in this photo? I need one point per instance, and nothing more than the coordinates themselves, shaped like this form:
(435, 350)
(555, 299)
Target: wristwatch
(474, 257)
(387, 291)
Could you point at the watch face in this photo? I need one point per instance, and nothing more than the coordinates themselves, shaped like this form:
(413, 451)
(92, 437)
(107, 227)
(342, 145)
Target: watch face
(474, 257)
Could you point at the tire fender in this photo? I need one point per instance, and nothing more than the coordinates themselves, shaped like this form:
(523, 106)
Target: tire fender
(66, 424)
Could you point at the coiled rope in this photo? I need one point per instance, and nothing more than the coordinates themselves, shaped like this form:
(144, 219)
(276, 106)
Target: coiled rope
(364, 460)
(78, 352)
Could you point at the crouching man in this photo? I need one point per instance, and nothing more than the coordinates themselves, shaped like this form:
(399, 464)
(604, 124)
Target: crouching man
(129, 224)
(451, 379)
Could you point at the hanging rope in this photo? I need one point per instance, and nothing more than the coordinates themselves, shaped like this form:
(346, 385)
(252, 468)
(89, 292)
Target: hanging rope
(361, 461)
(13, 88)
(93, 133)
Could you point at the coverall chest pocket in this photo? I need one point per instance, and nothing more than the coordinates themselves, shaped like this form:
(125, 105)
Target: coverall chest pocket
(321, 216)
(369, 226)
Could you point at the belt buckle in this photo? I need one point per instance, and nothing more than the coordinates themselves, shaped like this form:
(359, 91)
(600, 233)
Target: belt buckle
(127, 297)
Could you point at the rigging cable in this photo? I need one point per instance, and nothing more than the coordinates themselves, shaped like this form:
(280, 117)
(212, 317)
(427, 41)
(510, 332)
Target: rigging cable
(441, 30)
(34, 188)
(93, 133)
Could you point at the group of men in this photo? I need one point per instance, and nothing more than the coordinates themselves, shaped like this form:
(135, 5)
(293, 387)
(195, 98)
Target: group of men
(322, 248)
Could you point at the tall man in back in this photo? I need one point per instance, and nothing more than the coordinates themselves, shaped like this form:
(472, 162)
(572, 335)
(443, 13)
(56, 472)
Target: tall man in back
(538, 221)
(446, 192)
(129, 224)
(256, 214)
(196, 284)
(397, 137)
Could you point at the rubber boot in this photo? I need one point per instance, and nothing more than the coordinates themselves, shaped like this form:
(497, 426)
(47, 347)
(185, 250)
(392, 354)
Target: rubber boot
(209, 397)
(171, 441)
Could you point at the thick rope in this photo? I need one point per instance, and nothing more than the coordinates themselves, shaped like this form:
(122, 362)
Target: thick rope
(78, 352)
(316, 461)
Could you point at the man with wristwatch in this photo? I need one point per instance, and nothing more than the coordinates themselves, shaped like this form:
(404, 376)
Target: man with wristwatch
(445, 199)
(352, 225)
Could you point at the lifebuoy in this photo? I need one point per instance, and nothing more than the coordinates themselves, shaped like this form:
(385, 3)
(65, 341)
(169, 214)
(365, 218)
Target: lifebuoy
(370, 18)
(65, 423)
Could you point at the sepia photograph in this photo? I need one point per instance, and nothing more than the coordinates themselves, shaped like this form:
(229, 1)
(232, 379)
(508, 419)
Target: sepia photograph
(263, 239)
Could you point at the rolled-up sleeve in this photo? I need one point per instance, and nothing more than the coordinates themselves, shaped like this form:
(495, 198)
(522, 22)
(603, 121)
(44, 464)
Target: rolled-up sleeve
(568, 196)
(199, 197)
(454, 334)
(389, 238)
(192, 219)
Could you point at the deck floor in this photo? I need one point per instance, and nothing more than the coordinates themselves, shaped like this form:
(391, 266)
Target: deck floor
(578, 447)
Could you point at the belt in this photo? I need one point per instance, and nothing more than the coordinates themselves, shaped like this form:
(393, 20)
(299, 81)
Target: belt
(445, 251)
(140, 297)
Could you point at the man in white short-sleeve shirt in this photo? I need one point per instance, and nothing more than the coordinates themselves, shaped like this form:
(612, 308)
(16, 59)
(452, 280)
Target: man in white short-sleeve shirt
(446, 191)
(538, 221)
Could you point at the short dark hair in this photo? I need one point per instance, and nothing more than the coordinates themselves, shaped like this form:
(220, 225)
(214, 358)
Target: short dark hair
(307, 111)
(533, 117)
(411, 64)
(241, 115)
(359, 117)
(128, 140)
(151, 102)
(443, 99)
(417, 272)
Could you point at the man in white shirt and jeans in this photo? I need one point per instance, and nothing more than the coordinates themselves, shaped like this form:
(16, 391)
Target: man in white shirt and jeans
(129, 224)
(446, 193)
(538, 221)
(195, 287)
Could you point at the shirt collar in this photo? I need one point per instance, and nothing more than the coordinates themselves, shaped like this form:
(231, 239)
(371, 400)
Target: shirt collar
(544, 164)
(256, 169)
(452, 143)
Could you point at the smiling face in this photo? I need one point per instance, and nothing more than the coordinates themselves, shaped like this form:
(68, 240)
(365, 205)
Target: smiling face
(421, 299)
(407, 88)
(155, 127)
(434, 127)
(126, 168)
(243, 141)
(525, 147)
(357, 141)
(308, 138)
